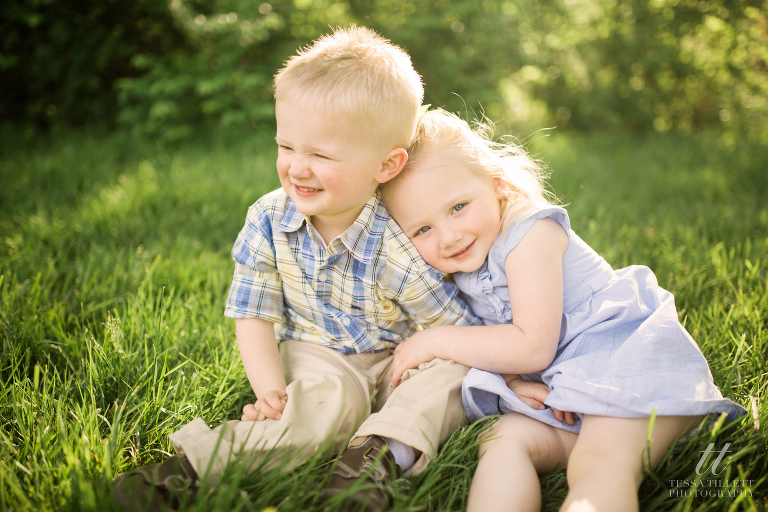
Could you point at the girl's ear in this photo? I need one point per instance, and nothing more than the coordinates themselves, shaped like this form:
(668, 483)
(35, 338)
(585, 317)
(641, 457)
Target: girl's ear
(393, 163)
(498, 188)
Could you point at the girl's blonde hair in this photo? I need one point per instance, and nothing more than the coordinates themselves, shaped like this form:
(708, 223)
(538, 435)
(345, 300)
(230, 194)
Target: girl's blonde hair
(522, 179)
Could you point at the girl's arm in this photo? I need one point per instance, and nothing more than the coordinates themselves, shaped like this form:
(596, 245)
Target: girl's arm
(535, 276)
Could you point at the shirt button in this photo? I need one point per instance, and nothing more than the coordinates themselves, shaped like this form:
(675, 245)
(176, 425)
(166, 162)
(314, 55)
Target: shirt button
(322, 277)
(346, 322)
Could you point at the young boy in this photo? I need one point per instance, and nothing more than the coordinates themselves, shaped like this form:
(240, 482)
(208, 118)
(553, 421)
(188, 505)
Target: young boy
(322, 268)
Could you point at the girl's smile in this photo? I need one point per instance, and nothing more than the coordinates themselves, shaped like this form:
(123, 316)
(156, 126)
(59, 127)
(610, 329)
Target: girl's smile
(463, 253)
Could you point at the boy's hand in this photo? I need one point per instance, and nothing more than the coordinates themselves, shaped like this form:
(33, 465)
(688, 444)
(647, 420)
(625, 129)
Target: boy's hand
(270, 405)
(411, 353)
(533, 395)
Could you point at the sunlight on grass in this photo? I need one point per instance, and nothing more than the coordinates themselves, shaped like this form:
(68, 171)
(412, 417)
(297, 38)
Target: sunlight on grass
(114, 269)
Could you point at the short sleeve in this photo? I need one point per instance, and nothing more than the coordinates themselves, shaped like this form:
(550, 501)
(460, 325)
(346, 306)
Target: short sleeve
(432, 301)
(256, 290)
(517, 230)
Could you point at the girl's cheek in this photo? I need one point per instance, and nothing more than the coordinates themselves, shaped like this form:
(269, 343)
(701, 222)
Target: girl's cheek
(434, 258)
(424, 249)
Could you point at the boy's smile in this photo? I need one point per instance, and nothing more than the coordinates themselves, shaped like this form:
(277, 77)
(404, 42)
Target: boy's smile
(328, 164)
(450, 213)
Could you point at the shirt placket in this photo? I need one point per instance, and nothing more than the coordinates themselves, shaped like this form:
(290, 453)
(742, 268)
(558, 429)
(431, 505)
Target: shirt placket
(323, 273)
(323, 285)
(344, 324)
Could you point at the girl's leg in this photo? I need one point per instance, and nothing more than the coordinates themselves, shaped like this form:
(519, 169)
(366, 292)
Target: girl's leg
(514, 452)
(606, 465)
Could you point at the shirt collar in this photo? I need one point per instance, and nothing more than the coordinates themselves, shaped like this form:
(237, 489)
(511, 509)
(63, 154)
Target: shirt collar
(292, 218)
(361, 239)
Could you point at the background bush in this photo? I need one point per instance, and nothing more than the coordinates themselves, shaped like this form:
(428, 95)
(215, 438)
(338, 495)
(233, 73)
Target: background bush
(59, 59)
(166, 67)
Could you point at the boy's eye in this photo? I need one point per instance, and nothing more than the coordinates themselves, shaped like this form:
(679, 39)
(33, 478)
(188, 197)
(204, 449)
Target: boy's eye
(422, 230)
(458, 207)
(321, 156)
(282, 146)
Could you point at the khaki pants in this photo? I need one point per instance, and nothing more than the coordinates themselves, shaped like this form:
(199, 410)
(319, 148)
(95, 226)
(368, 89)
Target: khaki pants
(329, 393)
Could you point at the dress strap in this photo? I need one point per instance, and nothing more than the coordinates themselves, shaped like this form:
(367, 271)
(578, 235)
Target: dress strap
(508, 240)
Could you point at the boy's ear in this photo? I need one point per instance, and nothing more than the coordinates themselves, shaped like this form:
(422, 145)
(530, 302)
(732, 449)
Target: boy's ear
(393, 163)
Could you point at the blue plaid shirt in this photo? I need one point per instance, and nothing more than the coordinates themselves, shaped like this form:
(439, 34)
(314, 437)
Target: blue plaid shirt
(369, 290)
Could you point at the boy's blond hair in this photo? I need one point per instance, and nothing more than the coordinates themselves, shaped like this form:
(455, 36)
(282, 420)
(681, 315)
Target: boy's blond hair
(522, 178)
(362, 74)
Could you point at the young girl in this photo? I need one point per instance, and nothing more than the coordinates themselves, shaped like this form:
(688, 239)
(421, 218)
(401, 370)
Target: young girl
(607, 344)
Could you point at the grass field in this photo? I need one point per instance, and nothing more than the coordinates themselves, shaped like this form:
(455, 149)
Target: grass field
(114, 269)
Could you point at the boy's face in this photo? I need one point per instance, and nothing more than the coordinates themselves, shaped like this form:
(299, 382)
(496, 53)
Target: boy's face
(327, 164)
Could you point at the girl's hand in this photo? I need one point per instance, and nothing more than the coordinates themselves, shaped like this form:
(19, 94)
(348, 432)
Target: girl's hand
(270, 405)
(568, 416)
(533, 395)
(412, 352)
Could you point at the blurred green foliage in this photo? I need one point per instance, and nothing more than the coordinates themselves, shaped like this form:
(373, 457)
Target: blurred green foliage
(59, 59)
(223, 73)
(165, 68)
(666, 64)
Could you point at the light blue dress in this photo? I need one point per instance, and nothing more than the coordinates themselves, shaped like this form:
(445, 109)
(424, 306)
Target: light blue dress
(622, 350)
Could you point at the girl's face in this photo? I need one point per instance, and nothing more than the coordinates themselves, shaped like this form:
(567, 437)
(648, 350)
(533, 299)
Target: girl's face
(451, 214)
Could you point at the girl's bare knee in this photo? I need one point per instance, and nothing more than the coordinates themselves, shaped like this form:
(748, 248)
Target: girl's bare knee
(620, 464)
(621, 446)
(546, 446)
(501, 434)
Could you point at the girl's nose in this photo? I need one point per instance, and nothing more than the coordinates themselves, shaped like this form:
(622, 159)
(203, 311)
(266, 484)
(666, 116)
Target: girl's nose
(450, 237)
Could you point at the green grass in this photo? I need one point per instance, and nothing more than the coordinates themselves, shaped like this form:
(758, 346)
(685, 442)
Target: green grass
(114, 269)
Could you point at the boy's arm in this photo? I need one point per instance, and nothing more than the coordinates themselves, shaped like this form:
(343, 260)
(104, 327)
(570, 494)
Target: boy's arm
(255, 301)
(261, 360)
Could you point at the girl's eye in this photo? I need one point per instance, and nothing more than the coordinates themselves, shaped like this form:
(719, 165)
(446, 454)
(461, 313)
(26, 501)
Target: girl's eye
(321, 156)
(422, 230)
(458, 207)
(287, 148)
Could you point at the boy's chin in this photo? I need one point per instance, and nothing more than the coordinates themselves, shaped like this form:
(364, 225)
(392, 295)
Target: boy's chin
(304, 205)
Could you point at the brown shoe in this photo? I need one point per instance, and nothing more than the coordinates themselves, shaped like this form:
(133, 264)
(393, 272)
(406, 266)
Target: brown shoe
(372, 461)
(157, 487)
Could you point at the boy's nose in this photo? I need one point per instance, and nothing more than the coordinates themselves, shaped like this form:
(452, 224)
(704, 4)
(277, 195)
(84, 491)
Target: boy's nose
(299, 168)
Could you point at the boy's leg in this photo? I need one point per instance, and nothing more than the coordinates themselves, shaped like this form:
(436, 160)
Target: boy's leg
(421, 411)
(606, 465)
(327, 396)
(514, 452)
